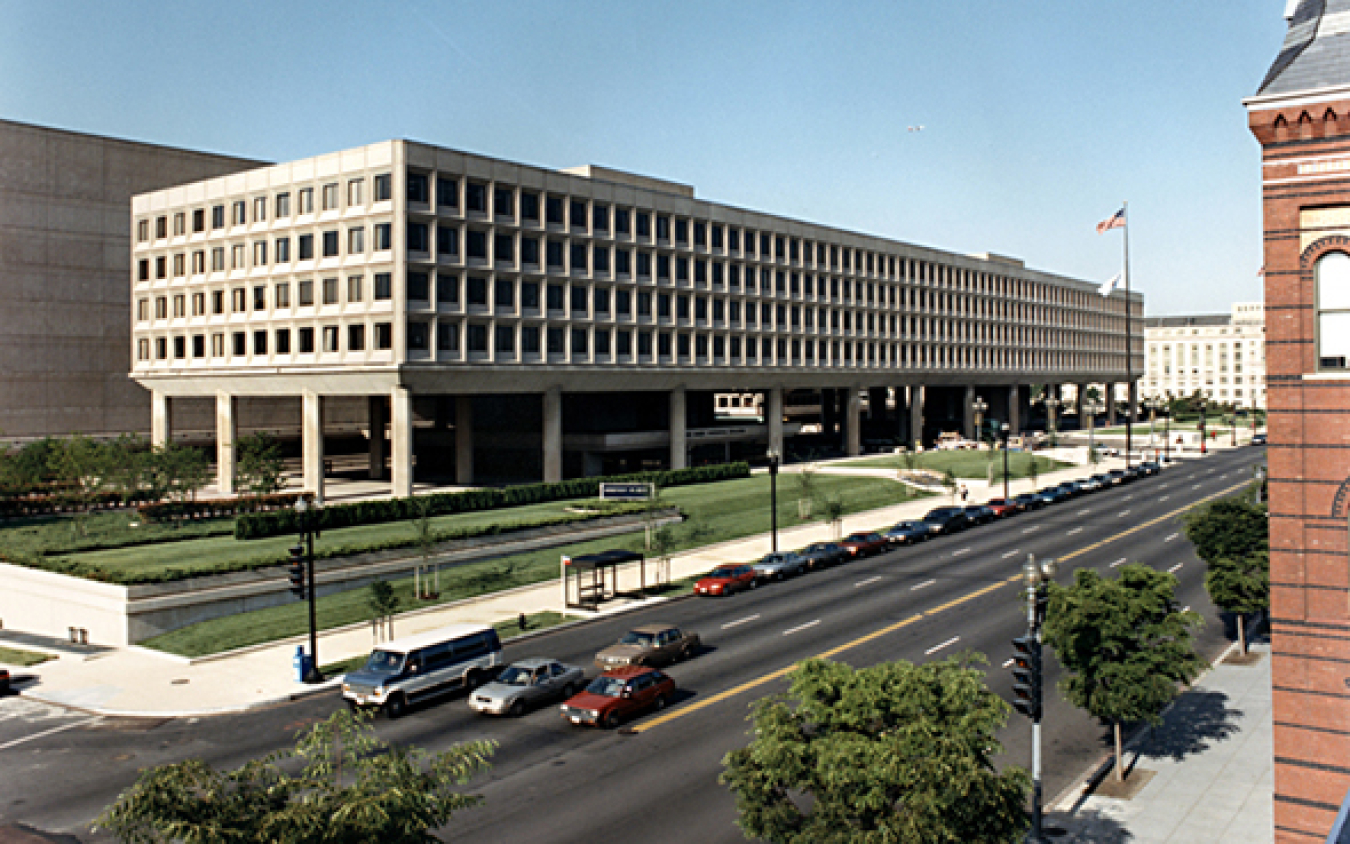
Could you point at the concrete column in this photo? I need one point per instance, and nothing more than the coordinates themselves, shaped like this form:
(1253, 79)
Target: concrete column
(773, 415)
(968, 414)
(378, 419)
(679, 446)
(902, 417)
(853, 422)
(464, 440)
(876, 404)
(161, 419)
(1110, 404)
(829, 415)
(227, 433)
(400, 442)
(915, 415)
(1014, 410)
(1082, 397)
(553, 435)
(312, 443)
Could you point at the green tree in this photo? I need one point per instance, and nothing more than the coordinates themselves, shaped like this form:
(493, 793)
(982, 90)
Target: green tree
(949, 483)
(424, 535)
(833, 510)
(894, 753)
(384, 604)
(259, 465)
(1124, 644)
(1034, 470)
(1232, 536)
(83, 466)
(353, 787)
(806, 489)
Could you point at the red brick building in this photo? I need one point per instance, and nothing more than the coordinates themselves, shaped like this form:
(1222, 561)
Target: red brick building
(1301, 117)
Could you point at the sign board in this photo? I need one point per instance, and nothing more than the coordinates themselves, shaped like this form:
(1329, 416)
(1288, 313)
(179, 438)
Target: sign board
(625, 492)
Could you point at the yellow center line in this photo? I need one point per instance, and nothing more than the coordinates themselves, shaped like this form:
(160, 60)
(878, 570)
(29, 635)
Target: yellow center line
(703, 703)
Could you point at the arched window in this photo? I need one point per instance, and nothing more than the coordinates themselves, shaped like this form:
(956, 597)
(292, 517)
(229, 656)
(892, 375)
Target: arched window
(1333, 310)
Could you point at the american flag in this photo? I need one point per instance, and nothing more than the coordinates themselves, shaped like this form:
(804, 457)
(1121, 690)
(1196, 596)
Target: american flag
(1115, 221)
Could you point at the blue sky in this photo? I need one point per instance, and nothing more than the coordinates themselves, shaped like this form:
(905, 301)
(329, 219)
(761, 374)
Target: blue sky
(1039, 118)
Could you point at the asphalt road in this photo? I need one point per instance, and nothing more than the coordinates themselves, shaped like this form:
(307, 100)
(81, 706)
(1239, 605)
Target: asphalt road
(552, 782)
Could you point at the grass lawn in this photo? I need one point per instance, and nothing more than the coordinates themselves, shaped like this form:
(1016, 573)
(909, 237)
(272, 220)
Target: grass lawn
(965, 464)
(14, 656)
(716, 511)
(29, 537)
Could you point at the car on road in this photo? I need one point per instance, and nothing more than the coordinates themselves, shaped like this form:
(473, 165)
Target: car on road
(980, 514)
(1105, 480)
(821, 555)
(1028, 501)
(526, 683)
(1150, 467)
(1081, 487)
(1004, 507)
(1119, 477)
(1258, 439)
(402, 671)
(907, 533)
(780, 566)
(1069, 489)
(649, 644)
(864, 544)
(4, 681)
(725, 580)
(944, 520)
(617, 694)
(1092, 484)
(1053, 495)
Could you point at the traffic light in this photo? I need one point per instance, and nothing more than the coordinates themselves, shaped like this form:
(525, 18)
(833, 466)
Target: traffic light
(1042, 601)
(296, 570)
(1026, 672)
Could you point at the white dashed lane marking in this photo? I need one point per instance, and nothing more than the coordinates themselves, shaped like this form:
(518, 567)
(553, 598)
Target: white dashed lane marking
(916, 587)
(952, 641)
(1124, 513)
(1118, 562)
(1075, 530)
(960, 551)
(30, 737)
(740, 621)
(1171, 537)
(1031, 529)
(867, 581)
(1175, 569)
(801, 627)
(1013, 553)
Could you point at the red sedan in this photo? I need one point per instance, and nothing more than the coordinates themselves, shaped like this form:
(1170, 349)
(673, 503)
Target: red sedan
(724, 580)
(619, 693)
(865, 544)
(1003, 507)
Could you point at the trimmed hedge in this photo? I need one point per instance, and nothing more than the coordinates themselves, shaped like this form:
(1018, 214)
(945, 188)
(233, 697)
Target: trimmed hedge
(47, 504)
(167, 510)
(276, 523)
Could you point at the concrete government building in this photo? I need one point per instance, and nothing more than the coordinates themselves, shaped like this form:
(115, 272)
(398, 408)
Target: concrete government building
(1223, 356)
(506, 322)
(1301, 117)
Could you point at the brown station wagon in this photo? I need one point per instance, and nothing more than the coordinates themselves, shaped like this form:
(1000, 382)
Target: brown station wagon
(650, 644)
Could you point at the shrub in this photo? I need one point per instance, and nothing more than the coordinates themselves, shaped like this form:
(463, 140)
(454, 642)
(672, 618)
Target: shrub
(212, 509)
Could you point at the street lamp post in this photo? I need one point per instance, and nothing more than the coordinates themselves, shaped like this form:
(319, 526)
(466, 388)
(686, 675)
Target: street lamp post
(308, 511)
(1203, 449)
(979, 406)
(1091, 407)
(1232, 430)
(773, 497)
(1051, 403)
(1167, 435)
(1028, 675)
(1005, 430)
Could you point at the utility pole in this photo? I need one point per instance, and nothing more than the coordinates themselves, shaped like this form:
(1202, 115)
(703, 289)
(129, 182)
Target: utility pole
(1028, 674)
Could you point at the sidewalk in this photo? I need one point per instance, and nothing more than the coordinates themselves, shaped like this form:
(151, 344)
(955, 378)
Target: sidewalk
(1212, 773)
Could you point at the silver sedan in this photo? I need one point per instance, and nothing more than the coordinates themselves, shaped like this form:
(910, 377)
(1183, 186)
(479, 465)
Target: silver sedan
(780, 565)
(527, 683)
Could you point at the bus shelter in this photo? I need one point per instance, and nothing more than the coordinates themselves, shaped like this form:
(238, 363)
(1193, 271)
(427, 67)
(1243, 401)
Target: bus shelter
(591, 579)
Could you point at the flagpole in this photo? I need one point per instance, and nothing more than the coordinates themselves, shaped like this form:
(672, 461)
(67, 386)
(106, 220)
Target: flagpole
(1129, 345)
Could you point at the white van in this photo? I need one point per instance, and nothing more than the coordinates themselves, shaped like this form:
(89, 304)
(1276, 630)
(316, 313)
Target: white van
(405, 670)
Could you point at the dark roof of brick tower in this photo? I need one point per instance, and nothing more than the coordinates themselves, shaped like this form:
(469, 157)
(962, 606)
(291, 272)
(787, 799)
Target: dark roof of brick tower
(1316, 51)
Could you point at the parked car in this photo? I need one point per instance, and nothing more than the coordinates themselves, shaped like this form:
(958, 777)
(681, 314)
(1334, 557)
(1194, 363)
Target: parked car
(1133, 473)
(1004, 507)
(1092, 484)
(1068, 488)
(1258, 439)
(821, 555)
(907, 533)
(649, 644)
(1105, 480)
(1029, 501)
(1150, 467)
(402, 671)
(526, 683)
(781, 565)
(1052, 495)
(1118, 477)
(944, 520)
(980, 514)
(4, 681)
(865, 544)
(1080, 487)
(619, 693)
(725, 580)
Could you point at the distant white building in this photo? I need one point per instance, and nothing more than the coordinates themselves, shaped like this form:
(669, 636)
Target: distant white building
(1222, 355)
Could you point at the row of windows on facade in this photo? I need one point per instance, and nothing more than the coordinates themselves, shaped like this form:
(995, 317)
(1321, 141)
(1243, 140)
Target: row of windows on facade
(771, 246)
(591, 303)
(599, 346)
(1238, 392)
(239, 253)
(281, 202)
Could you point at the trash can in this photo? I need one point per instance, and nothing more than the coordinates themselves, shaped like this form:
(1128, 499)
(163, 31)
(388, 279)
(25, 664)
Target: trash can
(301, 663)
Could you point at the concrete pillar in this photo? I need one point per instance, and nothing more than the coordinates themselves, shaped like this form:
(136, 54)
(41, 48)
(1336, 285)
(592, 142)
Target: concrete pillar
(853, 422)
(915, 415)
(1110, 404)
(377, 417)
(829, 416)
(902, 417)
(312, 443)
(227, 433)
(464, 440)
(161, 419)
(400, 442)
(1014, 410)
(553, 436)
(679, 446)
(1081, 398)
(876, 404)
(968, 414)
(773, 415)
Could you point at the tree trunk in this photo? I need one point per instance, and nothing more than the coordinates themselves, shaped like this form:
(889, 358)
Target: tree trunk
(417, 582)
(1120, 757)
(1242, 632)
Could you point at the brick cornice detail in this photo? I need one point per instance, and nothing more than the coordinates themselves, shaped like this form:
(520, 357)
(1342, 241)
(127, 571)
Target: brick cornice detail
(1320, 247)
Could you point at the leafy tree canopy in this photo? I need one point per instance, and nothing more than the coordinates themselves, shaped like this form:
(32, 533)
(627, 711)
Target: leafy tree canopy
(1240, 585)
(895, 753)
(1230, 528)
